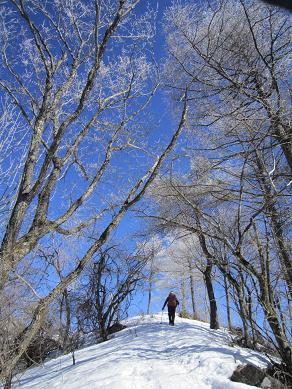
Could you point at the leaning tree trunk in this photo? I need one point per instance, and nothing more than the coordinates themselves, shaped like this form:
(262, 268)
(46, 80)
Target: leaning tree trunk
(268, 305)
(276, 223)
(283, 135)
(269, 300)
(284, 346)
(242, 309)
(243, 313)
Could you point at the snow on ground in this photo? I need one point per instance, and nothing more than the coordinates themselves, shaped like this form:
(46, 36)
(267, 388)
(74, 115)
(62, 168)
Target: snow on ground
(148, 355)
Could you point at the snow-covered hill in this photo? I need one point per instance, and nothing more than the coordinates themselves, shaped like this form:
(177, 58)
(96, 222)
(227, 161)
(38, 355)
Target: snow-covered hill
(148, 355)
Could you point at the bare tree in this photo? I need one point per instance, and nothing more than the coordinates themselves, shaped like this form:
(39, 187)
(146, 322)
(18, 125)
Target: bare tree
(112, 279)
(79, 82)
(237, 58)
(11, 144)
(150, 249)
(55, 259)
(192, 208)
(184, 251)
(178, 207)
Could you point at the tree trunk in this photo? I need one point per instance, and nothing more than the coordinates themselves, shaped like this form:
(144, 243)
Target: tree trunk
(183, 298)
(226, 287)
(241, 303)
(283, 136)
(73, 356)
(103, 330)
(277, 224)
(282, 249)
(150, 286)
(68, 320)
(149, 297)
(268, 304)
(244, 305)
(251, 320)
(8, 382)
(284, 346)
(193, 295)
(214, 324)
(243, 315)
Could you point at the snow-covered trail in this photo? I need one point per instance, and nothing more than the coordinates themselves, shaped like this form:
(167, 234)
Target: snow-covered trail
(148, 355)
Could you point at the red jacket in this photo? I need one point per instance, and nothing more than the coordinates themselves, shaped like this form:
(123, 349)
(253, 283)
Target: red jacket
(167, 300)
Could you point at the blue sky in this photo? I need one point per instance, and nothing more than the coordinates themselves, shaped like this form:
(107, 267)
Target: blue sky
(163, 123)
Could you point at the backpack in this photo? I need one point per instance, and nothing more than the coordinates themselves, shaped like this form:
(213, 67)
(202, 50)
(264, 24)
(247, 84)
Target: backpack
(171, 300)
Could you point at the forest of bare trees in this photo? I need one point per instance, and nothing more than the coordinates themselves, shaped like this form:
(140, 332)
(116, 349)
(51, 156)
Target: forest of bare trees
(210, 199)
(236, 64)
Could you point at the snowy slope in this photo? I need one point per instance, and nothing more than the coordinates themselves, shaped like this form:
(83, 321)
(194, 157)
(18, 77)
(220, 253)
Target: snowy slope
(148, 355)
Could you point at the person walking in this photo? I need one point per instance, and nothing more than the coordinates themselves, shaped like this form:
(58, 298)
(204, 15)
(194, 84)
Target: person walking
(172, 302)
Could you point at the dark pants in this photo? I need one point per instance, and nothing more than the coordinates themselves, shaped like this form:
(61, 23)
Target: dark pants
(171, 314)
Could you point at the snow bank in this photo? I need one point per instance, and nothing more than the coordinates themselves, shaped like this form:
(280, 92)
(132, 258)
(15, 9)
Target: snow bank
(148, 355)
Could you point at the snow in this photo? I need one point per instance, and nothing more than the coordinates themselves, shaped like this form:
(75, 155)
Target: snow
(149, 355)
